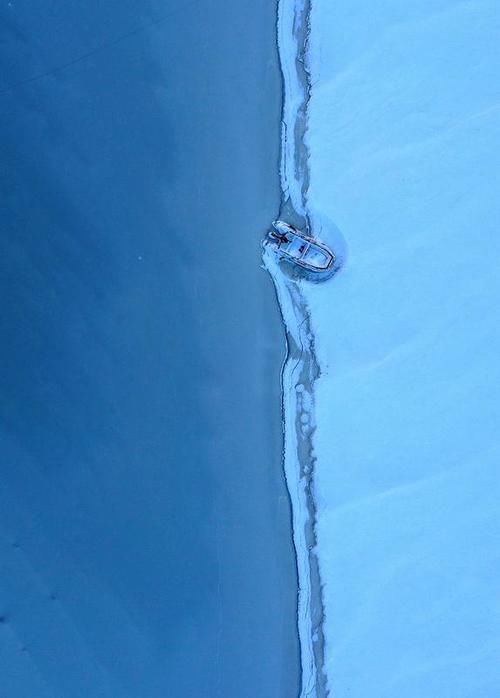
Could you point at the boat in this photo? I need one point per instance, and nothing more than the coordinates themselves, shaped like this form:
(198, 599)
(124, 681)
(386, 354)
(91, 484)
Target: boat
(300, 249)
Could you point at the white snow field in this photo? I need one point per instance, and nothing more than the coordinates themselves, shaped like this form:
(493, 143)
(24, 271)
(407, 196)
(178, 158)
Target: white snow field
(403, 140)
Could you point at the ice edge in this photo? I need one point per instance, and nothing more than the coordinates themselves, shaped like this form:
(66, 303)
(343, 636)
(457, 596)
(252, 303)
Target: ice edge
(300, 369)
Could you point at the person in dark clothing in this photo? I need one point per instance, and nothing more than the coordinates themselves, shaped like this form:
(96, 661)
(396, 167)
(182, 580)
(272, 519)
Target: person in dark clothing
(281, 237)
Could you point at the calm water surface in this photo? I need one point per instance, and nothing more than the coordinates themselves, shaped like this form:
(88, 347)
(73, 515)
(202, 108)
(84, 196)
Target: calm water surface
(145, 534)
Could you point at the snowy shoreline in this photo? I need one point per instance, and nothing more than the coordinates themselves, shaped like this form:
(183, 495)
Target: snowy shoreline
(300, 368)
(390, 388)
(292, 32)
(300, 371)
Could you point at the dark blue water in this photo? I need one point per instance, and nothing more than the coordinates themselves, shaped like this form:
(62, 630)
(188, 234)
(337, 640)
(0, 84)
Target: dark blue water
(145, 536)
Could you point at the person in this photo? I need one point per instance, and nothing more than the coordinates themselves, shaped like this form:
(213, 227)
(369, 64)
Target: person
(280, 236)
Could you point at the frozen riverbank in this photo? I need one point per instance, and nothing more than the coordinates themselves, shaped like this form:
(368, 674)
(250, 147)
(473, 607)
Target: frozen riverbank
(300, 369)
(402, 115)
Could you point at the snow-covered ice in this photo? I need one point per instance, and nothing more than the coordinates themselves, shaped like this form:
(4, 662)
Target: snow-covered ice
(402, 147)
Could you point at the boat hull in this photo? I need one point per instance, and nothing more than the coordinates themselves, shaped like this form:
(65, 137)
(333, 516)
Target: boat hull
(300, 249)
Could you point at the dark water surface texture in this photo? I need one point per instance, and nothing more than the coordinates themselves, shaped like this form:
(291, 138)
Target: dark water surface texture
(145, 535)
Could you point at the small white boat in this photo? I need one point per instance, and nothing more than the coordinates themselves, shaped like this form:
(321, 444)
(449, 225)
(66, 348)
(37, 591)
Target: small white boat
(299, 248)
